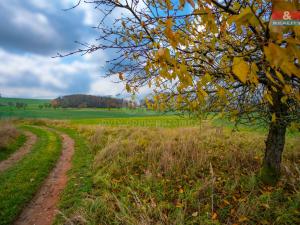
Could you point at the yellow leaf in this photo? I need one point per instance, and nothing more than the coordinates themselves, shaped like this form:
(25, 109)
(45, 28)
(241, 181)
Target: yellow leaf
(243, 219)
(221, 92)
(269, 76)
(182, 3)
(226, 202)
(287, 89)
(128, 89)
(280, 77)
(273, 117)
(180, 190)
(281, 58)
(161, 52)
(264, 222)
(195, 214)
(290, 69)
(240, 69)
(169, 23)
(269, 98)
(179, 205)
(265, 206)
(245, 17)
(214, 216)
(283, 99)
(169, 4)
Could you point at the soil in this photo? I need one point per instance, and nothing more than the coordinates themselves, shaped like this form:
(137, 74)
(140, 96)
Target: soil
(43, 207)
(20, 153)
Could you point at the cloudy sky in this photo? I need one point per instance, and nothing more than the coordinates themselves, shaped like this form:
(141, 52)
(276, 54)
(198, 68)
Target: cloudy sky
(33, 31)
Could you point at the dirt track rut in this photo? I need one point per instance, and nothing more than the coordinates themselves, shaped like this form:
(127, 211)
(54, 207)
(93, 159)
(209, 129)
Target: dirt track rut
(43, 207)
(20, 153)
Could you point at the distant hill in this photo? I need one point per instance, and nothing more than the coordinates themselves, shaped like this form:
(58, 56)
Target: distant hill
(89, 101)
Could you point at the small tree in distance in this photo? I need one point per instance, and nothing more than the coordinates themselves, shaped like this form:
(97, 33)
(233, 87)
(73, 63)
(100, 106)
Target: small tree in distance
(209, 56)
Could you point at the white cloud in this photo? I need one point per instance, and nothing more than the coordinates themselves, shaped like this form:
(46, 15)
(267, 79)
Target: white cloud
(106, 86)
(31, 22)
(90, 14)
(40, 76)
(38, 93)
(41, 4)
(35, 76)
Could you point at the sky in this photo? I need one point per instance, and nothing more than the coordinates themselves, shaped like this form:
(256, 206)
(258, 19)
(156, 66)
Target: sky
(32, 32)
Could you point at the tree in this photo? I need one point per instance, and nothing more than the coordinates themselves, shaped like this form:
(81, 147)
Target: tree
(55, 103)
(209, 55)
(20, 105)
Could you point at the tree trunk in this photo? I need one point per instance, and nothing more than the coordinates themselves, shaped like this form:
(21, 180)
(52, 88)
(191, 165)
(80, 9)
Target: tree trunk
(275, 141)
(273, 152)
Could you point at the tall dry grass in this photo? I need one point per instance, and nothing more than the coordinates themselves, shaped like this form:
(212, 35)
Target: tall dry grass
(177, 151)
(8, 133)
(201, 175)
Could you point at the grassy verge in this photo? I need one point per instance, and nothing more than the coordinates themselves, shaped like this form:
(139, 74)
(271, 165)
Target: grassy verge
(5, 152)
(19, 183)
(80, 182)
(186, 176)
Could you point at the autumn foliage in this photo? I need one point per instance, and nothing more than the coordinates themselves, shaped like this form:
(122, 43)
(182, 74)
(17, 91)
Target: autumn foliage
(209, 56)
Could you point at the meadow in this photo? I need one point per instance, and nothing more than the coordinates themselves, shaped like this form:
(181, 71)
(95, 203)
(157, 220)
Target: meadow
(94, 116)
(33, 111)
(144, 167)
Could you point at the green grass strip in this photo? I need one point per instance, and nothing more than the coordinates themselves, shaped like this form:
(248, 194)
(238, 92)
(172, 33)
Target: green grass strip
(19, 183)
(80, 178)
(12, 147)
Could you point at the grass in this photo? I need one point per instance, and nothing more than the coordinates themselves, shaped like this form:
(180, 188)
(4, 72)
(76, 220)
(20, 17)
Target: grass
(13, 146)
(31, 103)
(19, 183)
(72, 114)
(185, 176)
(34, 112)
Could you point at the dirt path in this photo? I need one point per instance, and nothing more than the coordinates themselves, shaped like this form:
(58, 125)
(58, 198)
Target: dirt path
(20, 153)
(43, 207)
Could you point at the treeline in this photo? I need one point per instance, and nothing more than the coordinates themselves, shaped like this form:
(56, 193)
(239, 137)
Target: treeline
(89, 101)
(18, 105)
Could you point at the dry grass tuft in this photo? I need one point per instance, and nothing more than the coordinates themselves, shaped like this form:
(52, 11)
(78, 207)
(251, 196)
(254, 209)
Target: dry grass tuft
(8, 133)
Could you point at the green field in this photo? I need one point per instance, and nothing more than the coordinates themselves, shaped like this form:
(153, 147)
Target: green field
(32, 103)
(97, 116)
(33, 111)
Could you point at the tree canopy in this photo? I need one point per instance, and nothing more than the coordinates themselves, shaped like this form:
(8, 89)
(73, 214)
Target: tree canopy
(224, 56)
